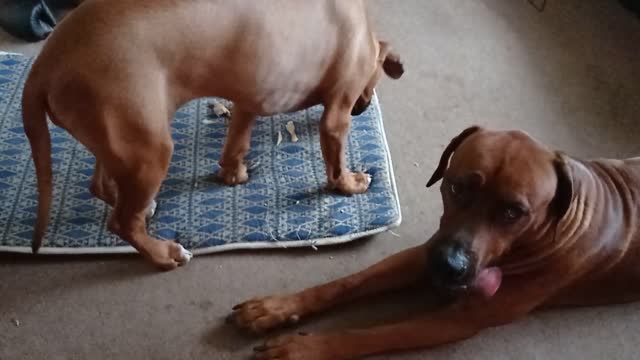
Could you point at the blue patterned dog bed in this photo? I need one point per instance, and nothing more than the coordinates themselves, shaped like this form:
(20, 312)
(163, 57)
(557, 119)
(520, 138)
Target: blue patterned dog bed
(282, 205)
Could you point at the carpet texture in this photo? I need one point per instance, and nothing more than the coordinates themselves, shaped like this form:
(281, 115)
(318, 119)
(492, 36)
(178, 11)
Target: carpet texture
(284, 204)
(568, 76)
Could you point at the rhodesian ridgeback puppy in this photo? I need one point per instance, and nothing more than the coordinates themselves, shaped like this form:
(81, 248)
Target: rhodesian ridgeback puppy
(114, 71)
(523, 228)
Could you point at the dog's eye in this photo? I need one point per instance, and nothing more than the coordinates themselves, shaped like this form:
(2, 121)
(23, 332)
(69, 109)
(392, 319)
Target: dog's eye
(511, 214)
(459, 193)
(456, 189)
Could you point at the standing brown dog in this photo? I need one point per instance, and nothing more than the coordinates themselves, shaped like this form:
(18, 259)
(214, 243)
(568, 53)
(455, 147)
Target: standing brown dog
(523, 228)
(114, 71)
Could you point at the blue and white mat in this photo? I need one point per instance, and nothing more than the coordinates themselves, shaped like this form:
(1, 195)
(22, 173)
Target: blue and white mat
(282, 205)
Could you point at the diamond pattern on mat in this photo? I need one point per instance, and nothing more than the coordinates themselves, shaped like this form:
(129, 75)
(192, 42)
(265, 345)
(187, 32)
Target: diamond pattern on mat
(284, 199)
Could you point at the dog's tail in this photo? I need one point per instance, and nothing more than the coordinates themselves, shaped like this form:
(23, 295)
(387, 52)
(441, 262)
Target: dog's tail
(34, 118)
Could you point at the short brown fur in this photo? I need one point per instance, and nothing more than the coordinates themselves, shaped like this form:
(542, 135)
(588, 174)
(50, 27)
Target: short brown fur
(114, 72)
(575, 244)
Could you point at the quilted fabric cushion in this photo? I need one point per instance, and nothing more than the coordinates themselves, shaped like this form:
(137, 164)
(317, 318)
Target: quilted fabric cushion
(283, 204)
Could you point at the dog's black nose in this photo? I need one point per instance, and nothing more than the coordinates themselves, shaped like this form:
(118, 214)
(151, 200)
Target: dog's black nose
(452, 264)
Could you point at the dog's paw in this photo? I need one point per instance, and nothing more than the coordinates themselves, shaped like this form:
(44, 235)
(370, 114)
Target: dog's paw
(151, 210)
(234, 176)
(260, 315)
(182, 256)
(298, 347)
(168, 255)
(352, 183)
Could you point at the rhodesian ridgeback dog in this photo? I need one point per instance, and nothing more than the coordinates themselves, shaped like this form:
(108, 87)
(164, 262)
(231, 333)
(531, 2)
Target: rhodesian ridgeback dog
(523, 228)
(114, 71)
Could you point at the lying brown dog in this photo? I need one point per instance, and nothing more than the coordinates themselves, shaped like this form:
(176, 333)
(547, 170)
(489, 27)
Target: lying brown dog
(114, 72)
(523, 228)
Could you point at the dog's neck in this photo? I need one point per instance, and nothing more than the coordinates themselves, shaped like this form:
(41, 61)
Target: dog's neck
(617, 190)
(604, 211)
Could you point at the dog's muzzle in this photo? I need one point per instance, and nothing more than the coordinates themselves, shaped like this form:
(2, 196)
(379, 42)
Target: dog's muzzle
(452, 265)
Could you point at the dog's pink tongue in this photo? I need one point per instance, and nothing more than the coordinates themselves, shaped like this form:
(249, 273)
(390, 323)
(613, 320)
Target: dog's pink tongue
(488, 281)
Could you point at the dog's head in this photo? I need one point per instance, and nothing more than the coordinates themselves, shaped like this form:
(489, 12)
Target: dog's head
(499, 189)
(387, 62)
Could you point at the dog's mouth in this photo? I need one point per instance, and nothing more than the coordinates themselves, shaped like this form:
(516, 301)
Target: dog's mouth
(488, 281)
(455, 268)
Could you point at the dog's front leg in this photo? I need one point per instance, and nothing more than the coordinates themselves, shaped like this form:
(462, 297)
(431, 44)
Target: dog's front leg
(232, 169)
(457, 322)
(394, 272)
(334, 128)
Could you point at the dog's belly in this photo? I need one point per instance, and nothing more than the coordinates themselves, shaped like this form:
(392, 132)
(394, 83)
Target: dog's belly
(276, 58)
(285, 101)
(271, 91)
(273, 68)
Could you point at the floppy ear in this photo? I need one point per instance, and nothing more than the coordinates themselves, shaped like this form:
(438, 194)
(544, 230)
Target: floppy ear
(391, 63)
(448, 151)
(564, 190)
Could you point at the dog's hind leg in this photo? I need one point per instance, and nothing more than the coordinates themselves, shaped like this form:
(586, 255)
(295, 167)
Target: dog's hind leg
(133, 152)
(104, 188)
(138, 178)
(102, 185)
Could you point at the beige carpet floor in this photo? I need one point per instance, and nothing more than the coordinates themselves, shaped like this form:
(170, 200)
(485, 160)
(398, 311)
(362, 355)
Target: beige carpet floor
(570, 76)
